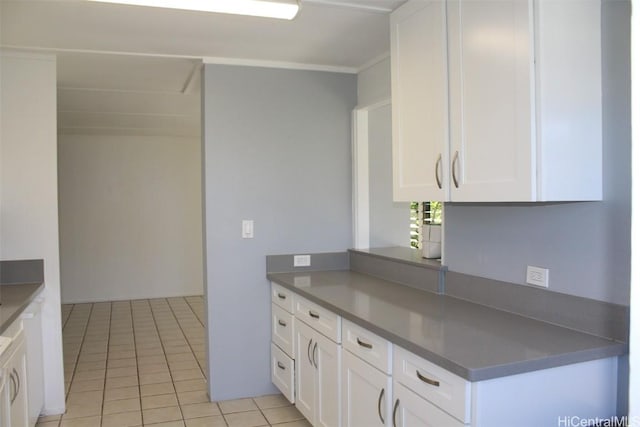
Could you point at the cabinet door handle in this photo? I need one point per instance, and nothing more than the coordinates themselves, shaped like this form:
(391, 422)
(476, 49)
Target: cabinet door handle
(309, 352)
(364, 344)
(314, 314)
(456, 158)
(281, 366)
(438, 166)
(427, 380)
(315, 351)
(379, 404)
(13, 394)
(18, 381)
(395, 409)
(282, 296)
(282, 322)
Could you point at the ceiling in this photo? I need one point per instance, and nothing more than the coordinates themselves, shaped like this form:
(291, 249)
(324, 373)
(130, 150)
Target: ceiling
(136, 70)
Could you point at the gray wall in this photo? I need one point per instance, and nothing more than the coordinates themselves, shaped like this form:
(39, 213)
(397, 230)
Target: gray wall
(586, 246)
(388, 221)
(277, 150)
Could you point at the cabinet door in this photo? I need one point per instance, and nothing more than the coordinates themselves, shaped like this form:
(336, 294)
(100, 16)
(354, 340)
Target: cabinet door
(305, 394)
(366, 394)
(420, 104)
(410, 410)
(327, 356)
(4, 397)
(17, 367)
(490, 69)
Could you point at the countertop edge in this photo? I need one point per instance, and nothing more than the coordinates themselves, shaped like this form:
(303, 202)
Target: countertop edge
(480, 374)
(22, 306)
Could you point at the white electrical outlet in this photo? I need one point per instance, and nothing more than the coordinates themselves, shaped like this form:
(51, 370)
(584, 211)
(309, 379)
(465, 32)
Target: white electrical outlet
(538, 276)
(301, 260)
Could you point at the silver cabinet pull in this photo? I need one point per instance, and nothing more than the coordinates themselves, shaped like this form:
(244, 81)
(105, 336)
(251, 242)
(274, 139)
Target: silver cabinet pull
(438, 166)
(395, 409)
(364, 344)
(282, 322)
(379, 404)
(282, 296)
(314, 353)
(427, 380)
(456, 158)
(309, 352)
(314, 314)
(281, 366)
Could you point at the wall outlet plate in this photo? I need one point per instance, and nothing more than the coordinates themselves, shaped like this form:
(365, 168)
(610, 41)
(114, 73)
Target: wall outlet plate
(301, 260)
(538, 276)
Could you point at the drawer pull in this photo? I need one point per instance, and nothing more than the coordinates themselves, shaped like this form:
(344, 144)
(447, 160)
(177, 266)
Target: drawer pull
(281, 366)
(395, 409)
(428, 380)
(282, 296)
(380, 403)
(364, 344)
(314, 314)
(282, 322)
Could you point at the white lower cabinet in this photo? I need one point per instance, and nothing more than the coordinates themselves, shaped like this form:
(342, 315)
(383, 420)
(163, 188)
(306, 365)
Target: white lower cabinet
(13, 364)
(366, 394)
(32, 321)
(318, 362)
(411, 410)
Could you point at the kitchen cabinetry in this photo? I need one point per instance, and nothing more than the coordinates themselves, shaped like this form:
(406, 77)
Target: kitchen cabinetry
(366, 378)
(13, 364)
(522, 100)
(420, 122)
(32, 321)
(317, 363)
(282, 341)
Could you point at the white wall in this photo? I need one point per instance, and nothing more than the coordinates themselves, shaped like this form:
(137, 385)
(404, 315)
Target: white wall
(130, 217)
(374, 82)
(29, 193)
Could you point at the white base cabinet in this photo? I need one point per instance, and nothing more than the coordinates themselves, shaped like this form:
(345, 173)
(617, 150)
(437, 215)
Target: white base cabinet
(318, 366)
(32, 321)
(411, 410)
(282, 341)
(13, 364)
(366, 394)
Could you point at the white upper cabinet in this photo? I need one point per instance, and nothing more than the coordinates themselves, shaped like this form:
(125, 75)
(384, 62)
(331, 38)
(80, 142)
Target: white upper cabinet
(523, 100)
(420, 103)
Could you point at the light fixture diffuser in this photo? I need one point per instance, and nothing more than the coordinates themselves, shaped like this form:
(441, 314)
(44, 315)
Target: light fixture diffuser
(280, 9)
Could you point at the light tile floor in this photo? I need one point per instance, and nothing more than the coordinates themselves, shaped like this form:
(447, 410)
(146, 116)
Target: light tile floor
(141, 363)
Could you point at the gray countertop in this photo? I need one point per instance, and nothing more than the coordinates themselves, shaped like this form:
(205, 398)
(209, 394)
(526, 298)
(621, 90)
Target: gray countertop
(471, 340)
(14, 299)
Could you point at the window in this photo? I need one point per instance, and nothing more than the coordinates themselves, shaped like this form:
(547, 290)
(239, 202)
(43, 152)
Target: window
(422, 213)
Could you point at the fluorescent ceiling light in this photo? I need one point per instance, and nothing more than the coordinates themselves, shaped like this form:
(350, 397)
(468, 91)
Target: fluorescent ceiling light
(281, 9)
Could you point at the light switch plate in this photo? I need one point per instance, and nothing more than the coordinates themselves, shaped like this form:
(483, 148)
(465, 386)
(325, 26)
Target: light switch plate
(247, 229)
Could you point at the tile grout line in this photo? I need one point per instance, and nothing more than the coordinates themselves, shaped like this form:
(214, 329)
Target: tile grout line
(187, 339)
(165, 358)
(75, 365)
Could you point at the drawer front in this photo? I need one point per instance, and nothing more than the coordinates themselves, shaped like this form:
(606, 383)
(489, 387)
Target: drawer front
(320, 319)
(282, 297)
(282, 372)
(368, 346)
(439, 386)
(282, 329)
